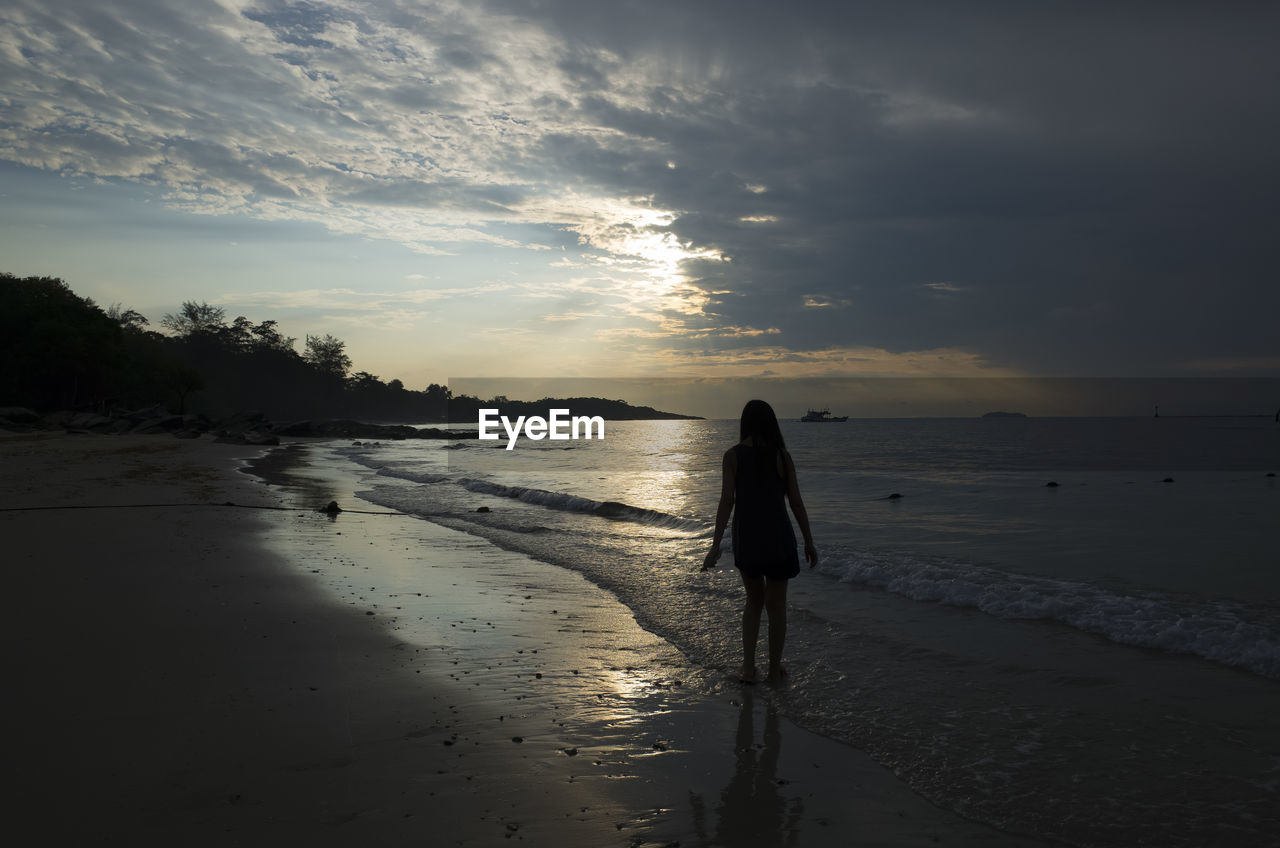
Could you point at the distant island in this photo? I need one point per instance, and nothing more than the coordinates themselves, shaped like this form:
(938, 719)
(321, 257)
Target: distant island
(1005, 415)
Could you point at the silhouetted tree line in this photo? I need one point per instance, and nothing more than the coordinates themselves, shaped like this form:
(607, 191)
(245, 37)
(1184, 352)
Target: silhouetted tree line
(60, 351)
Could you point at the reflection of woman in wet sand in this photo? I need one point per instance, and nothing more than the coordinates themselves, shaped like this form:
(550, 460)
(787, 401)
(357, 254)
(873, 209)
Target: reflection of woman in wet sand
(751, 810)
(758, 476)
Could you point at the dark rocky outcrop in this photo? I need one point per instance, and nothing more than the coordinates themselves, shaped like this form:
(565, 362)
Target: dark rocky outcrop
(18, 418)
(348, 429)
(251, 428)
(160, 424)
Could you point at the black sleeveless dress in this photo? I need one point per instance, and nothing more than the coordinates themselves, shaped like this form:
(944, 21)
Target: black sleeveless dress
(764, 543)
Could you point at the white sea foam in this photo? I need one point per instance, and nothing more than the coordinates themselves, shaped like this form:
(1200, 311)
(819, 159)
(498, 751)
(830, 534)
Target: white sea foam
(1220, 631)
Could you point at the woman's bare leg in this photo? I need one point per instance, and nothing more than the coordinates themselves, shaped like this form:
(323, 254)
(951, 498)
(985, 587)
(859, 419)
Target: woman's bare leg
(755, 587)
(775, 601)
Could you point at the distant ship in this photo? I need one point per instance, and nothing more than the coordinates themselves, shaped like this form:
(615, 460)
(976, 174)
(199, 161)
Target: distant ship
(822, 415)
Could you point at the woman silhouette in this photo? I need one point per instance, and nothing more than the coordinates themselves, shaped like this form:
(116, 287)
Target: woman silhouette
(758, 475)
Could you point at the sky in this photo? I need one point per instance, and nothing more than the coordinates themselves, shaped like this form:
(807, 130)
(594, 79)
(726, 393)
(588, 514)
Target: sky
(692, 190)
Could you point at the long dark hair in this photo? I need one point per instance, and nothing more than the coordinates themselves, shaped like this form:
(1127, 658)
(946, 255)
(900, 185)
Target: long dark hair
(760, 425)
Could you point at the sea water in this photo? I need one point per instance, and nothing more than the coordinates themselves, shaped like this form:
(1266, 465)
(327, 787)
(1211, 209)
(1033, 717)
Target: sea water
(1096, 660)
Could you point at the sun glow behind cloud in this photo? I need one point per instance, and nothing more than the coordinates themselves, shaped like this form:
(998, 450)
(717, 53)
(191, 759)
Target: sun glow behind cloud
(381, 128)
(365, 124)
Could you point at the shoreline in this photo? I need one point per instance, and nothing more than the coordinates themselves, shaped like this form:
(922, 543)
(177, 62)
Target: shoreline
(267, 690)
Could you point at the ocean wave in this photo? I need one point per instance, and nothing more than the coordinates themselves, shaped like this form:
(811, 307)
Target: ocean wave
(573, 503)
(413, 476)
(1219, 631)
(564, 501)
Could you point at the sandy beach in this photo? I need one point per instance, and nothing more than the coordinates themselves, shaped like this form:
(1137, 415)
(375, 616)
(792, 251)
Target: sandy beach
(195, 673)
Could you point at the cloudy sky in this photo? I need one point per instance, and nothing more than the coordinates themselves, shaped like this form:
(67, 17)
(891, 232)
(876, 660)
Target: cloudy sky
(615, 188)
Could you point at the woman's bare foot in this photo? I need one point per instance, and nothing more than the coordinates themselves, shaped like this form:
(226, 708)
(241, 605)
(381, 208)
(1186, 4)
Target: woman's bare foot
(777, 675)
(747, 675)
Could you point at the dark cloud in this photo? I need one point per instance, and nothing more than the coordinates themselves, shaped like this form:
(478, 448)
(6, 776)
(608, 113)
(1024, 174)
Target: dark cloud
(1099, 180)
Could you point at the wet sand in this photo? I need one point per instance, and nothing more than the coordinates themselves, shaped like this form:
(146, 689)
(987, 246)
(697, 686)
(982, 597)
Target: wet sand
(219, 675)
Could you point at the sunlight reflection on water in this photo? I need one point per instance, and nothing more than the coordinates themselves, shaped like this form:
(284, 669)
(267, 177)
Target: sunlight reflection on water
(898, 641)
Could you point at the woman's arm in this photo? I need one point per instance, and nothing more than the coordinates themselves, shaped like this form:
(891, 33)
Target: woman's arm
(727, 489)
(797, 509)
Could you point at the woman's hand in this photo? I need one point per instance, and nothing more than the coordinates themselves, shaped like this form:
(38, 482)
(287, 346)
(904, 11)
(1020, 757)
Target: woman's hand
(713, 556)
(811, 553)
